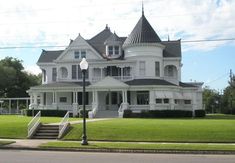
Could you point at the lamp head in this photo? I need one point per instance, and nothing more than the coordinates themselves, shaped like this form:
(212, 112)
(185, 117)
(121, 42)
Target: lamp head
(83, 64)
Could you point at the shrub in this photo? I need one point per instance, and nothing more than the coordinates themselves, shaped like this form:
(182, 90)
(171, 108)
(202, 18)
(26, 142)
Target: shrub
(80, 112)
(158, 114)
(200, 113)
(47, 113)
(127, 113)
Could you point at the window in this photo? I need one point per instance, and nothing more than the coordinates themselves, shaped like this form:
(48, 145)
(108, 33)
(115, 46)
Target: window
(74, 71)
(177, 101)
(80, 96)
(63, 99)
(83, 54)
(157, 69)
(80, 73)
(142, 98)
(54, 74)
(44, 75)
(64, 72)
(126, 71)
(110, 52)
(142, 68)
(97, 72)
(116, 50)
(113, 50)
(187, 101)
(166, 100)
(76, 54)
(114, 98)
(170, 71)
(158, 100)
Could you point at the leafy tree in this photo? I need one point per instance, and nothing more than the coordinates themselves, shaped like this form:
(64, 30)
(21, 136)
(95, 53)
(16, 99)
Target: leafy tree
(228, 99)
(211, 100)
(14, 82)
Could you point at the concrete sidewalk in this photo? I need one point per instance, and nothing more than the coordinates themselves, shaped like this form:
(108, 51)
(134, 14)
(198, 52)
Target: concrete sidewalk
(80, 121)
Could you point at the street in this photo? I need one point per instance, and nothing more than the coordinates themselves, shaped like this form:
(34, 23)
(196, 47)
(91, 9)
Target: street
(25, 156)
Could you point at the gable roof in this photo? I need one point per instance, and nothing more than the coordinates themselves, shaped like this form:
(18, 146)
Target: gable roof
(49, 56)
(109, 82)
(143, 32)
(172, 48)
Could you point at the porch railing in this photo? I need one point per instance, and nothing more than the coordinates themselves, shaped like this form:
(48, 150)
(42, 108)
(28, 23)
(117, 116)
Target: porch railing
(63, 124)
(33, 124)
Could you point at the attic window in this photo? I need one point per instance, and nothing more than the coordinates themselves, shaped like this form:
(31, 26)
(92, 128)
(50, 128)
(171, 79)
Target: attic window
(76, 54)
(83, 54)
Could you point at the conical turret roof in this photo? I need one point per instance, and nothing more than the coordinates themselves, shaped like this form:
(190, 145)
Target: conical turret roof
(143, 32)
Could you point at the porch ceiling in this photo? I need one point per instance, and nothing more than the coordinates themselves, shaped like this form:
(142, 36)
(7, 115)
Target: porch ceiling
(60, 85)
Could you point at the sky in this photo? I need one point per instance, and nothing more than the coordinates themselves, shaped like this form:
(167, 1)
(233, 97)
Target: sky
(26, 26)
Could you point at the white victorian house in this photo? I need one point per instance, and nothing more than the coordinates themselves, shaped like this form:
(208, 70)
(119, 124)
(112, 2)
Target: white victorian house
(138, 72)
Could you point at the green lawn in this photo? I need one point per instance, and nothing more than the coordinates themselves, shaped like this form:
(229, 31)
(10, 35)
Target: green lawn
(158, 130)
(14, 126)
(157, 146)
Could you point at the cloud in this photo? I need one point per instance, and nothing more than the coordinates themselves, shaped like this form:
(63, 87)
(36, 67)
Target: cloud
(33, 69)
(54, 22)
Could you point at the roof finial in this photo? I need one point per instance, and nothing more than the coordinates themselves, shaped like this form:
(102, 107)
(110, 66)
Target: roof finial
(142, 7)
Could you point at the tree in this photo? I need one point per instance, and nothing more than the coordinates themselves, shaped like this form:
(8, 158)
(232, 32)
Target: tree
(14, 82)
(229, 96)
(211, 100)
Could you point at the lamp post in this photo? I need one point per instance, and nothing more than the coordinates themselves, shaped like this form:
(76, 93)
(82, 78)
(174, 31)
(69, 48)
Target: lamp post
(84, 67)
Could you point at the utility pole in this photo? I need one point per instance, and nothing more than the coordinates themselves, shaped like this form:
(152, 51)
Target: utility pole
(231, 95)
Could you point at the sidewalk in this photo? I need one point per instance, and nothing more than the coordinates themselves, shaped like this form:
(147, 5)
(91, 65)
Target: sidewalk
(81, 121)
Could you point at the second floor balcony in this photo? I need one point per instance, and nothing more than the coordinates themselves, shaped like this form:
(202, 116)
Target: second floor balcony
(96, 74)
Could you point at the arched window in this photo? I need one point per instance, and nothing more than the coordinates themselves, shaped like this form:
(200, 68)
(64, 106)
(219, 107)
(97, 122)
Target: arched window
(64, 72)
(170, 71)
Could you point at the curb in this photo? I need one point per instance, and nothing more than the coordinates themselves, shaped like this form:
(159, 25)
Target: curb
(103, 150)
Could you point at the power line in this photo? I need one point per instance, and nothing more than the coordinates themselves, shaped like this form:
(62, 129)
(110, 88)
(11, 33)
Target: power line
(62, 46)
(208, 40)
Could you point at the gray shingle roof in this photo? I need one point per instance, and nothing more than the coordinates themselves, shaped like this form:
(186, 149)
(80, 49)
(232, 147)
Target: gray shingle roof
(186, 85)
(143, 32)
(49, 56)
(149, 82)
(172, 49)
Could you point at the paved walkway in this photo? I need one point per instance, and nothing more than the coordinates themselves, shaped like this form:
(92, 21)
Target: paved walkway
(80, 121)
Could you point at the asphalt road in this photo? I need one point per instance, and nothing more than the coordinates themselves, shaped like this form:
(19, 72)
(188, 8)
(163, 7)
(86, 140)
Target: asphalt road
(23, 156)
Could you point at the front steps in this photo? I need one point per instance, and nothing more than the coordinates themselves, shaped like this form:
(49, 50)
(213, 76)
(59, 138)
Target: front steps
(106, 114)
(47, 132)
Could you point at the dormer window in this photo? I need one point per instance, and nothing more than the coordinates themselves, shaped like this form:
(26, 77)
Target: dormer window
(113, 50)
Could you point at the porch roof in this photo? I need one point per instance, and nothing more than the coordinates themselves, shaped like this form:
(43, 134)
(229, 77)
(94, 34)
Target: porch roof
(149, 82)
(61, 84)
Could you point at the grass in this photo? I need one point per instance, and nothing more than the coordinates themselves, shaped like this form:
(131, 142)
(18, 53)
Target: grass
(158, 130)
(13, 126)
(147, 146)
(2, 143)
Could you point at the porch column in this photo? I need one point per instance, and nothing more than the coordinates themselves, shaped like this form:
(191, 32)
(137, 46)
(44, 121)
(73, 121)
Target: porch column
(172, 104)
(124, 100)
(75, 104)
(9, 107)
(27, 103)
(17, 106)
(122, 73)
(152, 100)
(41, 99)
(54, 101)
(194, 103)
(101, 73)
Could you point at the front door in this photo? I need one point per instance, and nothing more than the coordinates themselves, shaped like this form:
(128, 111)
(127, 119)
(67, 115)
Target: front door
(113, 100)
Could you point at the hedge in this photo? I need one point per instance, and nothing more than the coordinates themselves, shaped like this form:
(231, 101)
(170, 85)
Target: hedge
(200, 113)
(157, 114)
(47, 113)
(80, 112)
